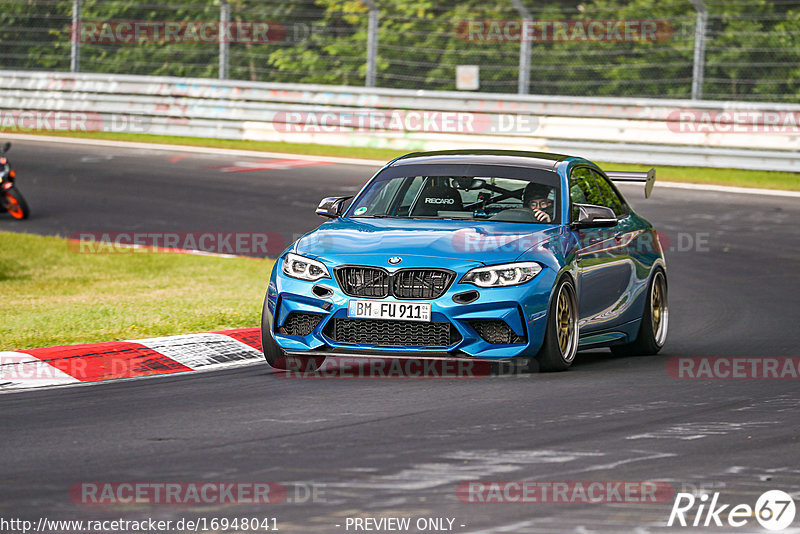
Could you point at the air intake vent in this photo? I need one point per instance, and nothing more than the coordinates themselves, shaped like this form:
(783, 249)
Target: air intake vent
(392, 333)
(300, 324)
(496, 332)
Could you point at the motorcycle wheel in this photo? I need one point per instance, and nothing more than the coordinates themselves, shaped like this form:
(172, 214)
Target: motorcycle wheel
(16, 205)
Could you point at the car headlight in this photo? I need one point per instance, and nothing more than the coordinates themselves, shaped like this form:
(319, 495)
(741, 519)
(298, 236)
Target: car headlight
(509, 274)
(304, 268)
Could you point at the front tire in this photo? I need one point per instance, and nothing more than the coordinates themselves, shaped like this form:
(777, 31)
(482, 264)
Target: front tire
(275, 355)
(15, 204)
(560, 343)
(655, 321)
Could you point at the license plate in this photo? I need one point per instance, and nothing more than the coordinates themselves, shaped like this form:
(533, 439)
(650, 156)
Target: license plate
(376, 309)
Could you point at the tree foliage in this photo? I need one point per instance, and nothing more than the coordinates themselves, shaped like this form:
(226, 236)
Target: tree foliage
(753, 46)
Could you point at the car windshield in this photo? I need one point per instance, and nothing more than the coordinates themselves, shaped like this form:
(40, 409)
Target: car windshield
(458, 197)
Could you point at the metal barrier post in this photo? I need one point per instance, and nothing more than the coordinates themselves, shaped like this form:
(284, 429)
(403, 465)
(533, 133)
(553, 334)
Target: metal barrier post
(75, 52)
(699, 49)
(372, 43)
(224, 20)
(523, 85)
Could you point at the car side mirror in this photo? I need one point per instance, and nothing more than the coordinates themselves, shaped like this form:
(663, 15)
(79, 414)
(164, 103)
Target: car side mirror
(6, 146)
(331, 207)
(591, 216)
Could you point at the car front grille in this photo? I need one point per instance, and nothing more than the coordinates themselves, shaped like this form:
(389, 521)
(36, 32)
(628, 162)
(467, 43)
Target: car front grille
(392, 333)
(359, 281)
(496, 332)
(300, 324)
(421, 283)
(375, 282)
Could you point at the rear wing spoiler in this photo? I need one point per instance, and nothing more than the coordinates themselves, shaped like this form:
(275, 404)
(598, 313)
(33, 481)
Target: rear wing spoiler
(649, 179)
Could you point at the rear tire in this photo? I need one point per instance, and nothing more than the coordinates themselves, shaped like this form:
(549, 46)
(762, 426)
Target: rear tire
(275, 355)
(561, 334)
(15, 204)
(655, 321)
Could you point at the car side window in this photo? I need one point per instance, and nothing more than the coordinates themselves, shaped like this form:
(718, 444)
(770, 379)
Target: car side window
(587, 186)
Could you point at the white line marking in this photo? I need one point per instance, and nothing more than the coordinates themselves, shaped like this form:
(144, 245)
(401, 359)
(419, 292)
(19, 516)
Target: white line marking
(194, 149)
(729, 189)
(693, 431)
(465, 465)
(351, 161)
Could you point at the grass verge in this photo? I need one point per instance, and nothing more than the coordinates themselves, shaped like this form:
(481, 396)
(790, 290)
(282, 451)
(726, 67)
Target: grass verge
(53, 296)
(697, 175)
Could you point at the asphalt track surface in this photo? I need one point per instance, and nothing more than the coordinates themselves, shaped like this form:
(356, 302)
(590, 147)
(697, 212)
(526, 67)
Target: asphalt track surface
(400, 447)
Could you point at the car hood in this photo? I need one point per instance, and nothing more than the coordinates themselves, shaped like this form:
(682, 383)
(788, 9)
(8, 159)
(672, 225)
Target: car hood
(486, 242)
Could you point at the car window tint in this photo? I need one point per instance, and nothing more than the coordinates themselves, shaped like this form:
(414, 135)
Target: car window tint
(459, 197)
(589, 187)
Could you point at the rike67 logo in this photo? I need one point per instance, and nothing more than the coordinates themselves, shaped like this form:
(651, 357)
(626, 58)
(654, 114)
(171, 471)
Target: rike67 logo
(774, 510)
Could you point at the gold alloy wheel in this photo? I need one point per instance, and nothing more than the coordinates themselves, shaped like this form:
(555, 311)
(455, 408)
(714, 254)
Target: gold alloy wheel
(658, 308)
(565, 324)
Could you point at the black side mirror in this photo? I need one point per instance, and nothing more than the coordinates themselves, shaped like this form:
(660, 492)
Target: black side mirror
(6, 146)
(331, 207)
(591, 216)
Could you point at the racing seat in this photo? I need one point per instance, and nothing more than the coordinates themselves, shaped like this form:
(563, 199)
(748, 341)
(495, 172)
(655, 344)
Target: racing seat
(437, 196)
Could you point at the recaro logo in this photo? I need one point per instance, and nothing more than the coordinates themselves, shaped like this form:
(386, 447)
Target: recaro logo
(439, 201)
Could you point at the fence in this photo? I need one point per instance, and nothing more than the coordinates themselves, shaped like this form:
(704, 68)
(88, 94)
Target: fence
(698, 49)
(651, 131)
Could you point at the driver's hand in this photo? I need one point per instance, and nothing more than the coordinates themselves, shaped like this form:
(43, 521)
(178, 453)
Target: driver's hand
(541, 216)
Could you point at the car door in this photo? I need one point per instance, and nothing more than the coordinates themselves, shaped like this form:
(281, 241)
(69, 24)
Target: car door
(605, 269)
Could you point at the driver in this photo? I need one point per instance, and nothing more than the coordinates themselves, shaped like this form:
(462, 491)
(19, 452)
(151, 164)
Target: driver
(536, 197)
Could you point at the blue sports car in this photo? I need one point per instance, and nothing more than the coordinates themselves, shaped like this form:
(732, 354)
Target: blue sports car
(480, 254)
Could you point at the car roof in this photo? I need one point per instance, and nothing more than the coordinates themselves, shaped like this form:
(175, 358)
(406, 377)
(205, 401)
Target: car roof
(516, 158)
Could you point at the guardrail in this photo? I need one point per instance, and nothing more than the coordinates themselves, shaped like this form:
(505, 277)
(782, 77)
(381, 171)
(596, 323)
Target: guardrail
(655, 132)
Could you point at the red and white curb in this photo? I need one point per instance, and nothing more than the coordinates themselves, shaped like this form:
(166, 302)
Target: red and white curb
(97, 362)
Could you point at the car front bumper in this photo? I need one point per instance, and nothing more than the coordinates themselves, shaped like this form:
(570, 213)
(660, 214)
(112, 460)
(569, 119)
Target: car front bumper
(522, 308)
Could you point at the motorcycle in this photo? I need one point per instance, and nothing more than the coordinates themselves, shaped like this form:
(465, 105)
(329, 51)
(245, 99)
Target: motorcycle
(11, 198)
